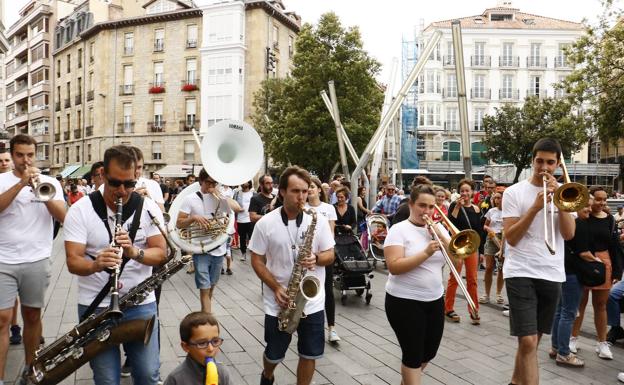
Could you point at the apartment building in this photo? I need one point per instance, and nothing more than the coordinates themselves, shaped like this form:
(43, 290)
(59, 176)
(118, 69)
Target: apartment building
(128, 80)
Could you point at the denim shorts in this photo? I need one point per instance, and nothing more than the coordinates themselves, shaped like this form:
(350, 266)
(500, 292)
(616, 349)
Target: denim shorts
(207, 270)
(311, 342)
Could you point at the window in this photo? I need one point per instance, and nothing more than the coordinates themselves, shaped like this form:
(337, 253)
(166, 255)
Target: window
(534, 59)
(90, 85)
(220, 70)
(57, 130)
(78, 154)
(561, 60)
(159, 40)
(477, 151)
(158, 113)
(479, 86)
(68, 126)
(429, 114)
(191, 36)
(275, 36)
(479, 53)
(79, 120)
(40, 25)
(79, 57)
(69, 63)
(40, 127)
(89, 158)
(90, 117)
(39, 101)
(156, 150)
(68, 93)
(218, 108)
(39, 52)
(66, 154)
(43, 151)
(39, 76)
(507, 90)
(127, 118)
(58, 68)
(191, 71)
(57, 156)
(560, 92)
(535, 86)
(79, 85)
(189, 150)
(450, 54)
(421, 147)
(451, 119)
(128, 43)
(219, 28)
(127, 84)
(507, 59)
(91, 51)
(291, 46)
(158, 74)
(479, 113)
(451, 86)
(451, 151)
(191, 112)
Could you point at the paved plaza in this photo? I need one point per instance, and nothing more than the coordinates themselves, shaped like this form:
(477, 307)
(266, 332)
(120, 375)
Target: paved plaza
(367, 354)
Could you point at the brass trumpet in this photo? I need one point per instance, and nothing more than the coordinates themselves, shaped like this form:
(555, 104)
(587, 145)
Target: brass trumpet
(463, 243)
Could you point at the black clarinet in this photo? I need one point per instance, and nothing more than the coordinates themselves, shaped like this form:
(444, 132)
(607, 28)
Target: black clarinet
(114, 301)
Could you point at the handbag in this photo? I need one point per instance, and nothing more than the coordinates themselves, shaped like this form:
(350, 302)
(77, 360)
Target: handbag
(590, 273)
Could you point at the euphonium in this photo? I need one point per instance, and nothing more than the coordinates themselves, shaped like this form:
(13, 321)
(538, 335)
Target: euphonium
(301, 287)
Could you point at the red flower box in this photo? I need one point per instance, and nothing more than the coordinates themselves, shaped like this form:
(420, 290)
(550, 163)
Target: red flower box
(189, 87)
(156, 90)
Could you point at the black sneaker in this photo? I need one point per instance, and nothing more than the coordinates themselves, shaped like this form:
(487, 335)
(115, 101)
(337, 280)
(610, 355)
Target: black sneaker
(228, 272)
(16, 336)
(126, 370)
(266, 381)
(614, 334)
(222, 271)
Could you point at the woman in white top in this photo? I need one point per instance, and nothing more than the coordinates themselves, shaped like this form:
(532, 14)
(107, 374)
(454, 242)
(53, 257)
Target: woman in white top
(414, 290)
(494, 229)
(243, 220)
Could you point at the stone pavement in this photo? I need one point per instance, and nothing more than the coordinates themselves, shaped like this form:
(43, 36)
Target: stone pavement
(367, 354)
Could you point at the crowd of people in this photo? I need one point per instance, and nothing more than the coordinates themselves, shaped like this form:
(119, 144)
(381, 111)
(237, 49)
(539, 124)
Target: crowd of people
(291, 222)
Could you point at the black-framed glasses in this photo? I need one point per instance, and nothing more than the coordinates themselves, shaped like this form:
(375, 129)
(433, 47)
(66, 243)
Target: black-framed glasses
(215, 342)
(126, 183)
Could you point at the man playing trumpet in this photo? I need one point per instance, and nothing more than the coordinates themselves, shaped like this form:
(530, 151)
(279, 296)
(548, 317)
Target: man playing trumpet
(26, 240)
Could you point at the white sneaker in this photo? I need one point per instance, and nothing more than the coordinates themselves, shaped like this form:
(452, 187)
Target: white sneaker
(333, 336)
(620, 376)
(574, 345)
(506, 313)
(603, 350)
(243, 258)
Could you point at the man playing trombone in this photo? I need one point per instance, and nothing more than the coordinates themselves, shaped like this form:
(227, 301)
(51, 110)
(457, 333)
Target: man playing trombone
(28, 203)
(534, 263)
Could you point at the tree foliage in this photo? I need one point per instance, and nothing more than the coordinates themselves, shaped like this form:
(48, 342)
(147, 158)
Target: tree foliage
(512, 131)
(290, 114)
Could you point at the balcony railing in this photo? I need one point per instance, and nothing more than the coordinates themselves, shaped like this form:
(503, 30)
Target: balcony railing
(57, 106)
(125, 128)
(191, 43)
(67, 103)
(126, 89)
(480, 61)
(156, 126)
(561, 62)
(188, 125)
(448, 126)
(77, 133)
(448, 61)
(509, 61)
(539, 93)
(89, 95)
(66, 135)
(480, 93)
(190, 84)
(159, 45)
(508, 94)
(57, 137)
(88, 131)
(537, 62)
(78, 99)
(156, 88)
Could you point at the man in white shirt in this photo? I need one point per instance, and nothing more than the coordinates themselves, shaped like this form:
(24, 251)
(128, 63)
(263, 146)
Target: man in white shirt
(274, 247)
(87, 244)
(25, 245)
(532, 274)
(147, 187)
(200, 209)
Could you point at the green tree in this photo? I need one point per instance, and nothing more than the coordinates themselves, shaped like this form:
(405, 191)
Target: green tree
(290, 114)
(512, 131)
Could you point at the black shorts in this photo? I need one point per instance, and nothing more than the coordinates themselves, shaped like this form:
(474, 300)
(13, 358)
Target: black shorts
(532, 305)
(418, 326)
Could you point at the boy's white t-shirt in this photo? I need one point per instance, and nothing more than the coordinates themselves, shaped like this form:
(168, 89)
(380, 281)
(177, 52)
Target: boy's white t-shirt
(529, 257)
(496, 219)
(273, 239)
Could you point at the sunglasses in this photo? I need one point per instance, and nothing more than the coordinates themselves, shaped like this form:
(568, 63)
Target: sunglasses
(126, 183)
(215, 342)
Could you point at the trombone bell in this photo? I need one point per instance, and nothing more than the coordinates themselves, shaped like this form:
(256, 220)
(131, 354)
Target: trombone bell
(464, 244)
(571, 197)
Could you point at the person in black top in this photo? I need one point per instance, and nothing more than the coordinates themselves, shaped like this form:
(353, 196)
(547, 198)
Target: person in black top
(260, 203)
(464, 215)
(571, 289)
(346, 219)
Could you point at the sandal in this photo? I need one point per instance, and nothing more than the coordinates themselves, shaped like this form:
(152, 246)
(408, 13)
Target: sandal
(475, 319)
(499, 299)
(570, 360)
(484, 299)
(452, 316)
(552, 353)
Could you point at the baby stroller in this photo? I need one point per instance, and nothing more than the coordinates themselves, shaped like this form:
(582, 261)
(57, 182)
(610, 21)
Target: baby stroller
(377, 226)
(352, 270)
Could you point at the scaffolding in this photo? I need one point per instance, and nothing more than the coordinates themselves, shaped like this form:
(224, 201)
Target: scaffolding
(409, 109)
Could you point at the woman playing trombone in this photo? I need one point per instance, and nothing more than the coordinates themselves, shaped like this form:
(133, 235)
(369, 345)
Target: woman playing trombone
(414, 290)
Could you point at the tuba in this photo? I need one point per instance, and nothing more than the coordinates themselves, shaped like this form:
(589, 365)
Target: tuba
(232, 153)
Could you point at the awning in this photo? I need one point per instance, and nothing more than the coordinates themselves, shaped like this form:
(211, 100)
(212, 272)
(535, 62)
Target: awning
(178, 170)
(80, 173)
(68, 170)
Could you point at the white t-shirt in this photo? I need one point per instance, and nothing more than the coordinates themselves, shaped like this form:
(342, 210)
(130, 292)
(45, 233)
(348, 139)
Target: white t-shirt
(83, 225)
(424, 282)
(153, 188)
(496, 219)
(529, 257)
(206, 207)
(243, 199)
(26, 224)
(226, 191)
(327, 210)
(273, 239)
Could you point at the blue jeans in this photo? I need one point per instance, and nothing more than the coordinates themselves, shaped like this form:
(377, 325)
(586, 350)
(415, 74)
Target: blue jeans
(565, 314)
(145, 358)
(613, 304)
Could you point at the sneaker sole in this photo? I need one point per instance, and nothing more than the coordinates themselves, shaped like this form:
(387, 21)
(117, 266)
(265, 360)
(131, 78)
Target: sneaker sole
(559, 363)
(607, 358)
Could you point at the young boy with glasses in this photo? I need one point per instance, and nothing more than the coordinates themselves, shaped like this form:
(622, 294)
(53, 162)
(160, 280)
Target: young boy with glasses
(199, 336)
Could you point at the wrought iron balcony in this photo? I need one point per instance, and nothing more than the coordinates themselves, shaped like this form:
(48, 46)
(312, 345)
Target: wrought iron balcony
(158, 126)
(509, 61)
(126, 89)
(480, 61)
(508, 94)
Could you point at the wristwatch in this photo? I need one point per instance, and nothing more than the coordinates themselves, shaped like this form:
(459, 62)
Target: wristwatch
(139, 258)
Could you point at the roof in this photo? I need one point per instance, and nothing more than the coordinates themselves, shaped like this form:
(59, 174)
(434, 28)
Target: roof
(520, 20)
(184, 3)
(290, 19)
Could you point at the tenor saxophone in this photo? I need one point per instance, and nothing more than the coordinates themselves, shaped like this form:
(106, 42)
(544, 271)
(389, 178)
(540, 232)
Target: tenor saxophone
(301, 287)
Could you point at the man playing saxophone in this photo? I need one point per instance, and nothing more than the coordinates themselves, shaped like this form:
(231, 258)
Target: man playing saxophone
(88, 229)
(277, 249)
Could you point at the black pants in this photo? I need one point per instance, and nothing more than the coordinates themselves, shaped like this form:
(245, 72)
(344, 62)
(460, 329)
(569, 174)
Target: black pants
(244, 234)
(330, 302)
